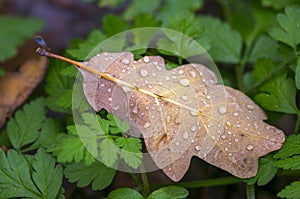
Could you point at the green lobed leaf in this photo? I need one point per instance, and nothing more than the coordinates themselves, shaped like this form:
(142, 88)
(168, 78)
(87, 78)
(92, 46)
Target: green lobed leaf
(108, 152)
(46, 175)
(137, 7)
(226, 44)
(113, 25)
(292, 163)
(297, 74)
(97, 173)
(288, 28)
(290, 148)
(24, 127)
(291, 191)
(131, 151)
(264, 46)
(16, 31)
(277, 94)
(17, 180)
(266, 171)
(170, 192)
(125, 193)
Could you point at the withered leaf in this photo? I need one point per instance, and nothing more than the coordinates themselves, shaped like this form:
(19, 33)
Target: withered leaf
(15, 87)
(180, 113)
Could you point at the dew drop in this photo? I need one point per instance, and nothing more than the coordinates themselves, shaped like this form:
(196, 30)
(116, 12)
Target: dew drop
(135, 110)
(144, 72)
(208, 97)
(226, 149)
(230, 154)
(193, 128)
(194, 112)
(236, 140)
(235, 114)
(184, 97)
(110, 99)
(229, 133)
(146, 59)
(123, 70)
(184, 82)
(222, 110)
(213, 137)
(180, 72)
(223, 136)
(250, 147)
(197, 148)
(193, 74)
(228, 123)
(146, 125)
(167, 78)
(250, 107)
(176, 143)
(185, 135)
(109, 90)
(125, 61)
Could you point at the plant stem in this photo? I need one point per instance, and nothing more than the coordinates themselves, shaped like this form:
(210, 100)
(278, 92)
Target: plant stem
(250, 191)
(202, 183)
(296, 130)
(146, 190)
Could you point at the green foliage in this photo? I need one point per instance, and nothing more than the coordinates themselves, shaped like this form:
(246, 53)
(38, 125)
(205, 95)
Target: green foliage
(17, 179)
(125, 193)
(2, 72)
(24, 128)
(97, 173)
(290, 191)
(14, 32)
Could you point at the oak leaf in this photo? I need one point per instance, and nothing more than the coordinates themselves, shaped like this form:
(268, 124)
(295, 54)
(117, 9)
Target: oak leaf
(180, 113)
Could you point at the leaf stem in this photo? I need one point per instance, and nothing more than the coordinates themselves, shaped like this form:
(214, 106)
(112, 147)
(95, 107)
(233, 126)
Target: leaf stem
(146, 189)
(270, 75)
(296, 130)
(202, 183)
(250, 191)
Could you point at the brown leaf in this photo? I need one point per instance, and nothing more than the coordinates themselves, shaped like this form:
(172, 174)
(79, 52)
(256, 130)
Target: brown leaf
(15, 87)
(180, 113)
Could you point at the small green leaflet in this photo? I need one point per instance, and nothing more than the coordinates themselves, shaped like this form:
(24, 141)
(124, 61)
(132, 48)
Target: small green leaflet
(226, 44)
(24, 128)
(98, 174)
(16, 31)
(290, 148)
(125, 193)
(44, 181)
(288, 27)
(138, 7)
(291, 191)
(277, 94)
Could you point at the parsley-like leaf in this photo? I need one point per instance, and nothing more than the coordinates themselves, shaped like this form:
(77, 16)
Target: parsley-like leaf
(226, 44)
(13, 33)
(277, 94)
(16, 179)
(131, 151)
(170, 192)
(288, 28)
(291, 191)
(138, 7)
(289, 163)
(108, 152)
(290, 148)
(24, 127)
(125, 193)
(264, 46)
(98, 174)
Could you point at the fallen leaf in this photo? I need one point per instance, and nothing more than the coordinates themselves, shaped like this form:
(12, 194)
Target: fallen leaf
(15, 87)
(180, 113)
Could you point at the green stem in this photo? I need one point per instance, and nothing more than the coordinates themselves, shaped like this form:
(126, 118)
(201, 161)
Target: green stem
(297, 123)
(135, 179)
(146, 190)
(202, 183)
(270, 75)
(250, 191)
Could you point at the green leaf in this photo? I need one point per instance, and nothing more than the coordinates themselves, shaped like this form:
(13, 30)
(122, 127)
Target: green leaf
(292, 163)
(16, 31)
(277, 94)
(131, 151)
(290, 148)
(291, 191)
(109, 3)
(278, 4)
(137, 7)
(88, 48)
(288, 28)
(98, 174)
(16, 179)
(226, 44)
(266, 171)
(264, 46)
(70, 148)
(65, 100)
(57, 85)
(125, 193)
(170, 192)
(2, 72)
(108, 152)
(297, 74)
(170, 8)
(46, 175)
(113, 25)
(24, 127)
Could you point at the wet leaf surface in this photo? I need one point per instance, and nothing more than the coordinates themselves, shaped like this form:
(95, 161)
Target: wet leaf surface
(182, 113)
